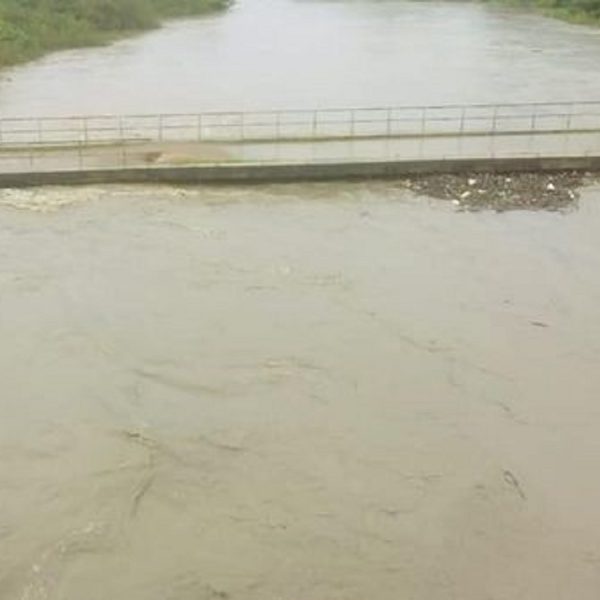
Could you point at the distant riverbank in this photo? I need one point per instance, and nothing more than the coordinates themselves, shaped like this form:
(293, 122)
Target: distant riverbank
(583, 12)
(28, 30)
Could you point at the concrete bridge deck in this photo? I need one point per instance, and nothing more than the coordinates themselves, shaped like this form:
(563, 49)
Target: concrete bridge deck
(231, 145)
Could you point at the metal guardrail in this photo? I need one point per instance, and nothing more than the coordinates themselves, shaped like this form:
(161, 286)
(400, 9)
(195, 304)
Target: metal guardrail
(290, 125)
(300, 136)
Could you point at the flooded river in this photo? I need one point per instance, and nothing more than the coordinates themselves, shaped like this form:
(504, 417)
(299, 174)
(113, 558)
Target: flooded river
(300, 392)
(266, 54)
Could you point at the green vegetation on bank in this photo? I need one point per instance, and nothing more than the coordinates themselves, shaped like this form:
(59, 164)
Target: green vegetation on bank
(29, 28)
(575, 11)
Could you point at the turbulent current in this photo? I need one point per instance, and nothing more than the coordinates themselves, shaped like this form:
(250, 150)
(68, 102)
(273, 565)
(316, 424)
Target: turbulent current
(300, 392)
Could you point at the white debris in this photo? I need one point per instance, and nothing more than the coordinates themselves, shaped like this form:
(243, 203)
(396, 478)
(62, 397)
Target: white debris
(550, 187)
(472, 181)
(465, 194)
(456, 202)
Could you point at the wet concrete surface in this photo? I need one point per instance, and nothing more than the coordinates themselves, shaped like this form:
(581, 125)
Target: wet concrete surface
(179, 154)
(315, 391)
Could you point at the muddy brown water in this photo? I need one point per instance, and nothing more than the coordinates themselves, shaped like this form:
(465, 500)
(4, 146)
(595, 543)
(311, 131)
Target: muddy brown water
(302, 392)
(299, 392)
(265, 54)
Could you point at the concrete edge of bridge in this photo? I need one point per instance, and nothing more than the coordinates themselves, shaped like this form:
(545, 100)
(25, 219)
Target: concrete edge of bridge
(248, 173)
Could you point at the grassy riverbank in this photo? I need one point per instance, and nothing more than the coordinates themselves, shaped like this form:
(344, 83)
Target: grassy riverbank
(30, 28)
(575, 11)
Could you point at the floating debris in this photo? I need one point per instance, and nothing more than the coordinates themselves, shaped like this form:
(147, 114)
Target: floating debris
(514, 483)
(556, 191)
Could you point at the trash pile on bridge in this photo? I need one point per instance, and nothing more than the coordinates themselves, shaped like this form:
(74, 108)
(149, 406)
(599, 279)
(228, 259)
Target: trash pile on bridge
(504, 191)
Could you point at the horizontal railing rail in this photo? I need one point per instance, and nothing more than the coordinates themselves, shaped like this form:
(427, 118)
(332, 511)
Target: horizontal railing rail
(299, 124)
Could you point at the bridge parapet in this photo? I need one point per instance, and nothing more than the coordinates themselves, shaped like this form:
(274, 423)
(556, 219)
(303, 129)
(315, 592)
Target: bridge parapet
(301, 136)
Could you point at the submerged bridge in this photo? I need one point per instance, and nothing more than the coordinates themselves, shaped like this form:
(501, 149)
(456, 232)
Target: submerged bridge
(299, 144)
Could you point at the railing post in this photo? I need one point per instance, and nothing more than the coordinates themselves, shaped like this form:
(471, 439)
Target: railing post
(352, 123)
(423, 120)
(533, 119)
(463, 114)
(569, 117)
(39, 131)
(199, 137)
(122, 140)
(278, 125)
(160, 128)
(85, 130)
(389, 122)
(315, 123)
(242, 123)
(495, 119)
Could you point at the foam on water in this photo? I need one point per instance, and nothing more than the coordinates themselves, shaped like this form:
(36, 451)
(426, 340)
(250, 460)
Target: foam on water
(47, 200)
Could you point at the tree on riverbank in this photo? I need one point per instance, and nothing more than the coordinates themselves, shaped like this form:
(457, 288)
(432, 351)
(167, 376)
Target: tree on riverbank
(28, 28)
